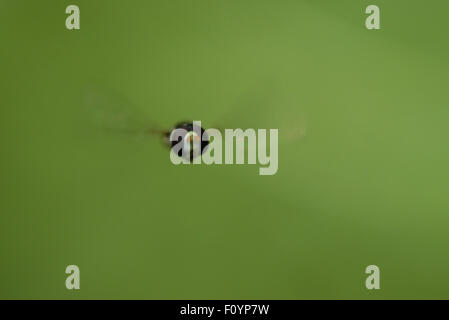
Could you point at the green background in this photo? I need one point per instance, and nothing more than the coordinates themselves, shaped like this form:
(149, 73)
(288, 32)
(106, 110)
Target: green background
(367, 184)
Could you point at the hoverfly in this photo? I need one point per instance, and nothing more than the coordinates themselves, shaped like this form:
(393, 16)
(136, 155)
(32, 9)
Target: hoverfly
(112, 112)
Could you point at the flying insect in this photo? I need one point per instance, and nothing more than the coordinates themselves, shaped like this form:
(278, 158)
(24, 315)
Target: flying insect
(112, 112)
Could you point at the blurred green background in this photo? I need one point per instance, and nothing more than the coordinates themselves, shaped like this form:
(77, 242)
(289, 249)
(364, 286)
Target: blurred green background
(367, 184)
